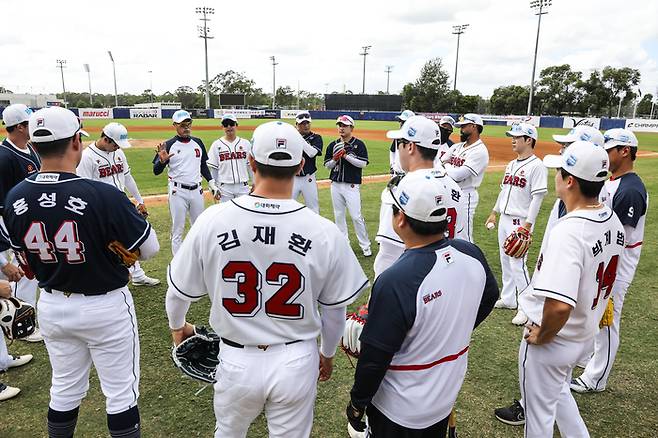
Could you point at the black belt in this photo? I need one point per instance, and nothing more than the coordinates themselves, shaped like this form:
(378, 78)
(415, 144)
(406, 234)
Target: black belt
(226, 183)
(50, 291)
(262, 346)
(185, 186)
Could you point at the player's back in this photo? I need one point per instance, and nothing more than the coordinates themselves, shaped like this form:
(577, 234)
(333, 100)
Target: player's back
(457, 209)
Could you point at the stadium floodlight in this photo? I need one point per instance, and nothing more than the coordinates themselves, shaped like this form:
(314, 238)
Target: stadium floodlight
(540, 7)
(204, 31)
(274, 64)
(114, 72)
(458, 30)
(364, 54)
(88, 70)
(389, 69)
(61, 65)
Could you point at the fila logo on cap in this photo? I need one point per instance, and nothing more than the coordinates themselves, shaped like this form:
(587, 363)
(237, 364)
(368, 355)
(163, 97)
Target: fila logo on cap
(40, 123)
(281, 143)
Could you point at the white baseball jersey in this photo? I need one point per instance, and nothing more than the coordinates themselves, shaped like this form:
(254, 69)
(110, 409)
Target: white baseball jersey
(457, 210)
(230, 160)
(522, 179)
(577, 265)
(108, 167)
(475, 158)
(266, 265)
(187, 157)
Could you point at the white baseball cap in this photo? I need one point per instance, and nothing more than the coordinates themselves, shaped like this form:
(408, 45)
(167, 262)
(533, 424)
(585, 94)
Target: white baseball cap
(15, 114)
(469, 118)
(345, 120)
(404, 115)
(583, 159)
(522, 129)
(420, 196)
(53, 123)
(180, 116)
(303, 116)
(447, 119)
(277, 137)
(619, 137)
(118, 133)
(420, 130)
(581, 133)
(230, 117)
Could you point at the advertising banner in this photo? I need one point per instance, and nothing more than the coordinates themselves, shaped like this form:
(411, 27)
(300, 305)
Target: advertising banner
(95, 113)
(572, 122)
(145, 113)
(642, 125)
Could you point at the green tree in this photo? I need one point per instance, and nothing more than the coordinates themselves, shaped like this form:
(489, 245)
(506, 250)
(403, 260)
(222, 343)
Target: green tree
(511, 99)
(430, 91)
(188, 98)
(4, 90)
(644, 107)
(285, 97)
(559, 88)
(619, 81)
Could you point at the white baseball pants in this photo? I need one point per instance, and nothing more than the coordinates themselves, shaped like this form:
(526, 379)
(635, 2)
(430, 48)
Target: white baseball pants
(388, 254)
(471, 198)
(281, 379)
(182, 201)
(515, 272)
(606, 343)
(346, 195)
(232, 191)
(81, 330)
(544, 376)
(25, 289)
(308, 187)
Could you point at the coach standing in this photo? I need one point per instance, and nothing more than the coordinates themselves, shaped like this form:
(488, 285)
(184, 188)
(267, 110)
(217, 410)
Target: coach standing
(346, 157)
(305, 182)
(187, 160)
(422, 311)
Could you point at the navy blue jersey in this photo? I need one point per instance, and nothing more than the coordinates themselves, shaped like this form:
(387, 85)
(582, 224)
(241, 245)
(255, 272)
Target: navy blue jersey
(629, 198)
(314, 140)
(63, 224)
(345, 171)
(4, 240)
(183, 171)
(15, 166)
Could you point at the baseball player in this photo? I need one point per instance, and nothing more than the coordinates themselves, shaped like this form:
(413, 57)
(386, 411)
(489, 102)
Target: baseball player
(267, 262)
(627, 196)
(393, 151)
(227, 160)
(523, 189)
(18, 160)
(105, 161)
(466, 163)
(407, 378)
(446, 125)
(346, 157)
(573, 280)
(305, 182)
(63, 224)
(417, 140)
(187, 160)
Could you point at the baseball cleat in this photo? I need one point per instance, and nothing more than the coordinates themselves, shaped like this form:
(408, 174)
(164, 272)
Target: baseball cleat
(500, 304)
(353, 433)
(367, 252)
(7, 392)
(577, 385)
(145, 281)
(18, 361)
(520, 318)
(36, 336)
(513, 415)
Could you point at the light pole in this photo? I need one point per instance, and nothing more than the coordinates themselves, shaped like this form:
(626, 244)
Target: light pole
(457, 30)
(389, 69)
(114, 72)
(203, 33)
(61, 65)
(637, 101)
(274, 64)
(540, 7)
(364, 54)
(622, 94)
(87, 69)
(151, 85)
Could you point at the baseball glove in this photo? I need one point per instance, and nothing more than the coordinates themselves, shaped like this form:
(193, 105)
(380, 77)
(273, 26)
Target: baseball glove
(353, 327)
(141, 208)
(608, 314)
(127, 258)
(517, 244)
(196, 356)
(17, 318)
(339, 151)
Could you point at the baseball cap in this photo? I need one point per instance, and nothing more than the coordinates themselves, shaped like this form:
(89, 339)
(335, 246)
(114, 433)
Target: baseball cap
(420, 130)
(15, 114)
(581, 133)
(180, 116)
(118, 133)
(277, 137)
(521, 129)
(469, 118)
(420, 196)
(304, 116)
(404, 115)
(619, 137)
(230, 117)
(447, 119)
(53, 123)
(345, 120)
(583, 159)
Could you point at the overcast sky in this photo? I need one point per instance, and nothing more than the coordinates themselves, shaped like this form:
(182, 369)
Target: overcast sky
(317, 43)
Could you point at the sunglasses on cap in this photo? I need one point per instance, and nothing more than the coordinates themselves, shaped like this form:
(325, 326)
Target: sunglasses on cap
(227, 123)
(303, 116)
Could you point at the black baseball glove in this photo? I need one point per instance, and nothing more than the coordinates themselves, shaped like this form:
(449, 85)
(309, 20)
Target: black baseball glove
(196, 356)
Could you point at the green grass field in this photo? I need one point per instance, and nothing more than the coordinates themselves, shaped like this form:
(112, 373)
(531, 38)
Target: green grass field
(170, 408)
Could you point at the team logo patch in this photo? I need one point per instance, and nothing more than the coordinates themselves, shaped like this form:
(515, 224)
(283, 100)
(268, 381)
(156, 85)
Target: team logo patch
(604, 163)
(522, 173)
(447, 257)
(404, 198)
(411, 132)
(281, 143)
(571, 161)
(433, 296)
(438, 199)
(40, 122)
